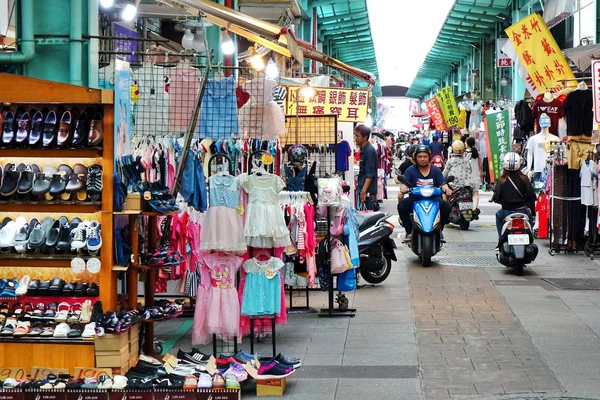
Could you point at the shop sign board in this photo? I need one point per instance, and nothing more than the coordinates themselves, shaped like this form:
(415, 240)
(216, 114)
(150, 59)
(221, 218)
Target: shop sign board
(540, 54)
(124, 45)
(596, 89)
(502, 59)
(435, 112)
(448, 105)
(497, 129)
(350, 105)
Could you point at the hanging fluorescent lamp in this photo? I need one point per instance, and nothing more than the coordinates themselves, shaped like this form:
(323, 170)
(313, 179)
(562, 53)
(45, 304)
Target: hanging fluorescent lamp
(187, 41)
(272, 71)
(107, 3)
(129, 10)
(199, 40)
(227, 46)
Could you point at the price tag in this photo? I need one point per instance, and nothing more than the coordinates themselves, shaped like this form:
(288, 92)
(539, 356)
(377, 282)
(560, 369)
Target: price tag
(82, 373)
(240, 209)
(43, 372)
(78, 265)
(270, 273)
(211, 365)
(267, 158)
(93, 265)
(15, 373)
(147, 195)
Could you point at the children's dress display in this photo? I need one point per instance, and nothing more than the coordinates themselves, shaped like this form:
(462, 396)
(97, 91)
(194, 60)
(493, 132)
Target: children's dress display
(217, 305)
(265, 225)
(262, 291)
(223, 224)
(261, 117)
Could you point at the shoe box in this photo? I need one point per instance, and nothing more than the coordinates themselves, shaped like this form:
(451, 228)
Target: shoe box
(112, 351)
(134, 344)
(133, 202)
(267, 387)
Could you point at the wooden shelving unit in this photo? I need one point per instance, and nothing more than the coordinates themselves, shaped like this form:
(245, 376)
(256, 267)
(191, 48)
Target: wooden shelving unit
(30, 92)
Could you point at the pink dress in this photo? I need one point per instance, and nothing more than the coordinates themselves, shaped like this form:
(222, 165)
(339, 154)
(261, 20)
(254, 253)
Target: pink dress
(217, 304)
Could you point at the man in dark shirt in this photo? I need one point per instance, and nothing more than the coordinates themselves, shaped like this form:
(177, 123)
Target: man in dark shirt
(367, 175)
(436, 147)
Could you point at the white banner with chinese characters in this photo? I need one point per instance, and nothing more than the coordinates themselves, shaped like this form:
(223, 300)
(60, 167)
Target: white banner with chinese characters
(350, 105)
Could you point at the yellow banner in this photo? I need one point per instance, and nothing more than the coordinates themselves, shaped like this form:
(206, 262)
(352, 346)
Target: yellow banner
(448, 105)
(350, 105)
(539, 53)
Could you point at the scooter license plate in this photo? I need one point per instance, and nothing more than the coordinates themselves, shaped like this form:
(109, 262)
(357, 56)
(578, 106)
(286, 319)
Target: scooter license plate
(467, 205)
(518, 239)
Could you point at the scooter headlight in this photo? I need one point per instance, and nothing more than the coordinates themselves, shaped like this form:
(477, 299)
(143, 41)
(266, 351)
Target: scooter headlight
(427, 192)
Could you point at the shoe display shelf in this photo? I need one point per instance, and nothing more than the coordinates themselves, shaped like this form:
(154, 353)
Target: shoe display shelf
(36, 93)
(133, 394)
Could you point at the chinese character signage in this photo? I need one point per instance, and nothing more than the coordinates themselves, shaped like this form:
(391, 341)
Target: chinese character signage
(448, 105)
(497, 129)
(596, 89)
(539, 52)
(350, 105)
(124, 45)
(435, 112)
(502, 59)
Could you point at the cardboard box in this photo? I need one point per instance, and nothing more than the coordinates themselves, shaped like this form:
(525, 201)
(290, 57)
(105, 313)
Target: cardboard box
(271, 387)
(134, 333)
(134, 348)
(122, 370)
(112, 342)
(112, 358)
(133, 202)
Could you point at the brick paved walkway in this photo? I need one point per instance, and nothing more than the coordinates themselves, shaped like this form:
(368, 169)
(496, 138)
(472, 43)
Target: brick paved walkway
(469, 341)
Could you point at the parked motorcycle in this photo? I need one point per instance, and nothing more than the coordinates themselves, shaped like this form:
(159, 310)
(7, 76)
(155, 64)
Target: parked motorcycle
(427, 229)
(375, 246)
(438, 161)
(461, 207)
(516, 248)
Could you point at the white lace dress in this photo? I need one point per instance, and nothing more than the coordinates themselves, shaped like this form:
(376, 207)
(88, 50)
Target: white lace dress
(265, 224)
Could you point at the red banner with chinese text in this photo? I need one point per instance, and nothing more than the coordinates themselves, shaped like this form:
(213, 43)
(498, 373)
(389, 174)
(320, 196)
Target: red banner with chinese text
(350, 105)
(539, 53)
(435, 112)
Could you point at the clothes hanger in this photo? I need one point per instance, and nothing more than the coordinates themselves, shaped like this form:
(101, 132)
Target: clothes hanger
(582, 86)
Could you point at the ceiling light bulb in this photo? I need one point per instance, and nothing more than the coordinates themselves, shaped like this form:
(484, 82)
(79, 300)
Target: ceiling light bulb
(107, 3)
(129, 12)
(272, 71)
(423, 106)
(227, 46)
(187, 41)
(307, 91)
(198, 44)
(257, 62)
(503, 82)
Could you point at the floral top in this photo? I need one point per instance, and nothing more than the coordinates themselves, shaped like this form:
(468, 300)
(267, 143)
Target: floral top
(460, 168)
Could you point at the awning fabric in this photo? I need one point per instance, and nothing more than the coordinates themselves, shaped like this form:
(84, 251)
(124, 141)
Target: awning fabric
(582, 56)
(274, 36)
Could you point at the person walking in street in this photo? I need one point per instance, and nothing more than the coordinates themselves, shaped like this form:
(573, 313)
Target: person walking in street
(367, 175)
(437, 149)
(423, 173)
(476, 170)
(513, 191)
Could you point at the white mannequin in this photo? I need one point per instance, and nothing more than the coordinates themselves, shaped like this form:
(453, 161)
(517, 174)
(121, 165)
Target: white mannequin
(540, 144)
(548, 97)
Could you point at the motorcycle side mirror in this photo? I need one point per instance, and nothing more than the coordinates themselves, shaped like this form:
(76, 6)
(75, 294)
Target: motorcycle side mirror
(402, 179)
(450, 179)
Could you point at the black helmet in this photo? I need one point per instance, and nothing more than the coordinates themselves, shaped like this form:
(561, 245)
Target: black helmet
(411, 149)
(421, 148)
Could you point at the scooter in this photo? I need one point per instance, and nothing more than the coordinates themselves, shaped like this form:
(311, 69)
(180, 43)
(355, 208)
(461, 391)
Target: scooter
(516, 248)
(427, 230)
(438, 161)
(375, 246)
(461, 207)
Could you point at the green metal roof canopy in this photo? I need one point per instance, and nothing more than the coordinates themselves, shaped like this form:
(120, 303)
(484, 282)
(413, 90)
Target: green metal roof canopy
(466, 23)
(344, 24)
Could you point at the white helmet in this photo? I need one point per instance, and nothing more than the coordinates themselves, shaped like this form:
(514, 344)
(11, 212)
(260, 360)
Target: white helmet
(512, 161)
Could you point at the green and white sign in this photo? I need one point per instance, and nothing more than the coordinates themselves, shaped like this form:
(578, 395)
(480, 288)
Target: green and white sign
(497, 129)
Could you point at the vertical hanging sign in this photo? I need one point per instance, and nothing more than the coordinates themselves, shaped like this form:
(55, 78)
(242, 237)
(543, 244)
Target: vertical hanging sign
(448, 105)
(596, 89)
(122, 125)
(497, 129)
(436, 115)
(546, 66)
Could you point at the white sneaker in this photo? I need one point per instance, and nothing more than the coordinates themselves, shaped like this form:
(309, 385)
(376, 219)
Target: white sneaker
(89, 331)
(7, 234)
(22, 288)
(79, 235)
(119, 382)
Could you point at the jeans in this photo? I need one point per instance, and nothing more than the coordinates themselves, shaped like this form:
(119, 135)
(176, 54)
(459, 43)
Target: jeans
(405, 207)
(501, 214)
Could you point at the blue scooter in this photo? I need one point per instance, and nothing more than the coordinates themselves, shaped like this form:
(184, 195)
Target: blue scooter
(427, 230)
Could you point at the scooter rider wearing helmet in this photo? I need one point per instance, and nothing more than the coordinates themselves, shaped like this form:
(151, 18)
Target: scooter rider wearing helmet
(513, 191)
(458, 166)
(423, 173)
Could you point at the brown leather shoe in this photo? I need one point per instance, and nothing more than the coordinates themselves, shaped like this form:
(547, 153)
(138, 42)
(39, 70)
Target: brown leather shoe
(96, 132)
(65, 129)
